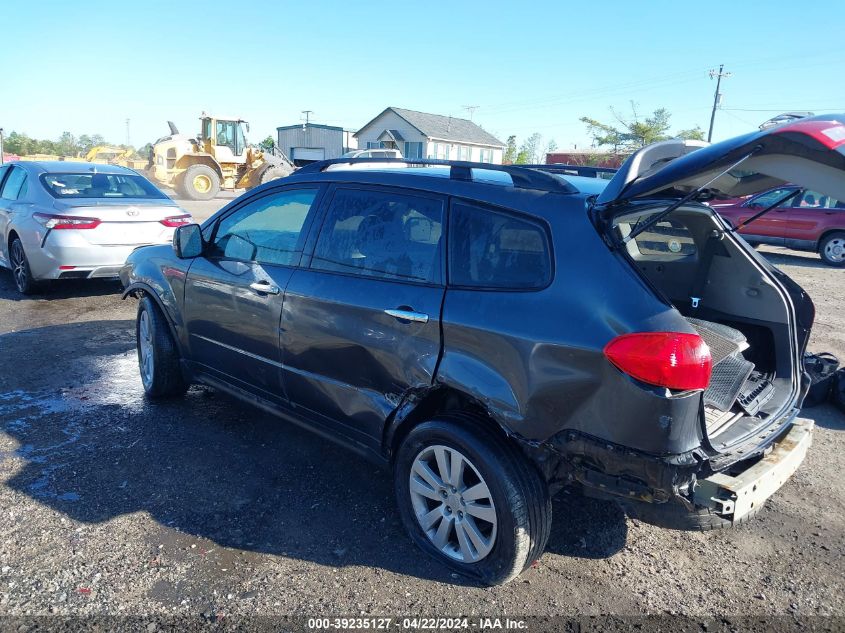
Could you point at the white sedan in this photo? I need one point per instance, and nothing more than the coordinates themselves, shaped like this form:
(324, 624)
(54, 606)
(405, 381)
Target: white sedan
(67, 220)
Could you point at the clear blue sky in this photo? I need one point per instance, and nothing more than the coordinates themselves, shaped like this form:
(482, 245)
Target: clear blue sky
(86, 67)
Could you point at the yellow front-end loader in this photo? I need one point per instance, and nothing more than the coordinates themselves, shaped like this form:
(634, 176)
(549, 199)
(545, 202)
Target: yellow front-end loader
(218, 158)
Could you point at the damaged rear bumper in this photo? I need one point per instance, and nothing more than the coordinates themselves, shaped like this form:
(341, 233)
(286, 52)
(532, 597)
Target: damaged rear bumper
(734, 496)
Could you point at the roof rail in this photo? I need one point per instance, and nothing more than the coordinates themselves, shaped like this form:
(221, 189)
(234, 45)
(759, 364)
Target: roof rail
(522, 177)
(574, 170)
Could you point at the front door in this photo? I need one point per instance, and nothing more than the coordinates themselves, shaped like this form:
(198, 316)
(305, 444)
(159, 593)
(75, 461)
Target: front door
(772, 225)
(361, 323)
(234, 292)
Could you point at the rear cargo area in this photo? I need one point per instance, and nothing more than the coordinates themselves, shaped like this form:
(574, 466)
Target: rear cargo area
(743, 314)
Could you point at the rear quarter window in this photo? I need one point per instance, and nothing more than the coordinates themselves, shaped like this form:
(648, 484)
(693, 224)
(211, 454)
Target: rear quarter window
(494, 249)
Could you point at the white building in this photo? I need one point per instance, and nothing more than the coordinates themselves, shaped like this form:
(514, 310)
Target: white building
(422, 135)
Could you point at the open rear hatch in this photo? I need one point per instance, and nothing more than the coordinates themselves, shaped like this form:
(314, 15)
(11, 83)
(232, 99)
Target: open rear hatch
(755, 320)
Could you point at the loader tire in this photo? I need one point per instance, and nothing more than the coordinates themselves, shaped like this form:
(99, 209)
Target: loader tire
(199, 182)
(274, 173)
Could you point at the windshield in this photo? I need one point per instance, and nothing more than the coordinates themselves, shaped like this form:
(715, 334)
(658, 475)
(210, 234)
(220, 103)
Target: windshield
(93, 185)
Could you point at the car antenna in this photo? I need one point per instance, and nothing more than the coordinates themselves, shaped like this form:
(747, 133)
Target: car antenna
(777, 203)
(692, 194)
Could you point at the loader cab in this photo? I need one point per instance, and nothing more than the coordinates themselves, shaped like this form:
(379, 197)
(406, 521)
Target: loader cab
(224, 139)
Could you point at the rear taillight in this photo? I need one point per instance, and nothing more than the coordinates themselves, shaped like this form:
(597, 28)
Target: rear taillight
(176, 220)
(57, 222)
(668, 359)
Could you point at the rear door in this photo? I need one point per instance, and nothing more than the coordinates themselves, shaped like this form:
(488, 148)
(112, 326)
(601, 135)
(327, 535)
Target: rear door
(810, 215)
(234, 292)
(361, 323)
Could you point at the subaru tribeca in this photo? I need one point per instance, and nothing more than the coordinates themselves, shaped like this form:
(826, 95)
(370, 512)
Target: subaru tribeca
(493, 334)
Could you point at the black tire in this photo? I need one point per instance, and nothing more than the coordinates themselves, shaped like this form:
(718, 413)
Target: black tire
(164, 379)
(832, 249)
(519, 494)
(274, 173)
(187, 184)
(21, 272)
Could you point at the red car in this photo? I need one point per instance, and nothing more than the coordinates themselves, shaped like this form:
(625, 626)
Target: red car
(808, 222)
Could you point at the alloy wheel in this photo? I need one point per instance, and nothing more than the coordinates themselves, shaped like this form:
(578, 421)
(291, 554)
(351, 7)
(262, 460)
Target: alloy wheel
(20, 270)
(145, 348)
(453, 504)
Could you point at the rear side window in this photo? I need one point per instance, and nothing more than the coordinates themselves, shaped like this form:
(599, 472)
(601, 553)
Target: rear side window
(381, 234)
(491, 249)
(15, 186)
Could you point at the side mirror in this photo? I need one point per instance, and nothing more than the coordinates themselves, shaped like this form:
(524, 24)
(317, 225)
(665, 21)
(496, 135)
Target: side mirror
(187, 241)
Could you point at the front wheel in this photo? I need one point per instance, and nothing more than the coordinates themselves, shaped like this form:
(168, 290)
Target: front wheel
(24, 281)
(471, 500)
(158, 357)
(832, 249)
(199, 182)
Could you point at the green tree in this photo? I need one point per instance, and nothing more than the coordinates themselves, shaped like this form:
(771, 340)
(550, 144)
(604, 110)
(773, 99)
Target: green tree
(267, 144)
(510, 151)
(692, 134)
(635, 131)
(67, 145)
(530, 150)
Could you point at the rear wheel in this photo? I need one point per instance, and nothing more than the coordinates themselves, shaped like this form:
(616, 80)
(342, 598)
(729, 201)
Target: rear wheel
(199, 182)
(158, 357)
(273, 173)
(471, 500)
(24, 281)
(832, 249)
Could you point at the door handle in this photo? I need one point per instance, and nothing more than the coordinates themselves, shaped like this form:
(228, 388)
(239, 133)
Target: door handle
(407, 315)
(264, 287)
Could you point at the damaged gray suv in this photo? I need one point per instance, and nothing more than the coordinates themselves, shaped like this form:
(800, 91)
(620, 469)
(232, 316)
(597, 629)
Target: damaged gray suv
(493, 334)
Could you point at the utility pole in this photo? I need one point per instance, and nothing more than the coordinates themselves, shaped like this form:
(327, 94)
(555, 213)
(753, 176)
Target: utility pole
(717, 98)
(1, 145)
(128, 141)
(471, 110)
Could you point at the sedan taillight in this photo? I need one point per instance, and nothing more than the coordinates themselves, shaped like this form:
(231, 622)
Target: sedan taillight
(675, 360)
(57, 222)
(176, 220)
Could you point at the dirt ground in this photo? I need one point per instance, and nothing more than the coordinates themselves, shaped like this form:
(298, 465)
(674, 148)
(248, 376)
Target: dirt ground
(207, 507)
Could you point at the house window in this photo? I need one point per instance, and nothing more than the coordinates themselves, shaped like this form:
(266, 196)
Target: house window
(413, 150)
(464, 152)
(439, 151)
(486, 156)
(374, 144)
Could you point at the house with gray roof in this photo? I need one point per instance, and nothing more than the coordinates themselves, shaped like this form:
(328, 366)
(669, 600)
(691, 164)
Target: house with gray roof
(423, 135)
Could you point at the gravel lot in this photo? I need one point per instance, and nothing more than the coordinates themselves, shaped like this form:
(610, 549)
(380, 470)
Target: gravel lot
(111, 505)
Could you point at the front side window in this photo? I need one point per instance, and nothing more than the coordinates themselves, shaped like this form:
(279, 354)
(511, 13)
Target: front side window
(15, 186)
(226, 133)
(268, 230)
(771, 197)
(491, 249)
(381, 234)
(93, 185)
